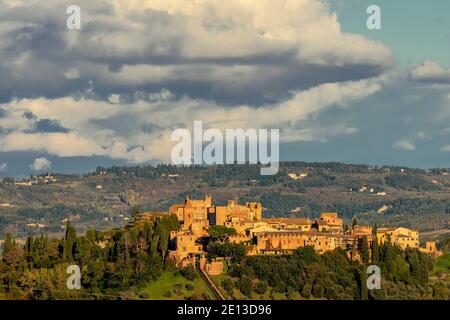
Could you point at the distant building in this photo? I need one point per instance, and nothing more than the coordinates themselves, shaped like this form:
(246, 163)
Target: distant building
(403, 237)
(329, 222)
(302, 224)
(299, 176)
(430, 248)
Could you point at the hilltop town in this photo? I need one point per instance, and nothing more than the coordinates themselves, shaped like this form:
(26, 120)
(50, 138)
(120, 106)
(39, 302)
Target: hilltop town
(201, 250)
(244, 224)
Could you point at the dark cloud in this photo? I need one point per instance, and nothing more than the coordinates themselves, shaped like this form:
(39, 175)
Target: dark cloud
(37, 53)
(47, 125)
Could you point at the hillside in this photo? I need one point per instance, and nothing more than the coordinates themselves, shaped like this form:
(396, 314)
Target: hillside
(106, 198)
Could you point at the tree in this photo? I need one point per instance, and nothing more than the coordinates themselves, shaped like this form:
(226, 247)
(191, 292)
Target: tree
(29, 251)
(318, 290)
(221, 233)
(261, 287)
(9, 244)
(227, 284)
(233, 252)
(306, 291)
(245, 284)
(163, 241)
(189, 273)
(375, 250)
(363, 248)
(363, 284)
(69, 241)
(354, 223)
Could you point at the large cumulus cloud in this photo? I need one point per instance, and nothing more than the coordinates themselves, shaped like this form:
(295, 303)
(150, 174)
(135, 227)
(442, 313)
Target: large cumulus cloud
(229, 51)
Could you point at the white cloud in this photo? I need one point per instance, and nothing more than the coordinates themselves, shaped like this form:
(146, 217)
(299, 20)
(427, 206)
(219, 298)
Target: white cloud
(41, 164)
(72, 73)
(3, 167)
(237, 28)
(446, 148)
(423, 135)
(231, 44)
(140, 131)
(62, 144)
(114, 98)
(404, 145)
(430, 71)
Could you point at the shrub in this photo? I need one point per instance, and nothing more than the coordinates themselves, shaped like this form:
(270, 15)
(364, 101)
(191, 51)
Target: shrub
(168, 294)
(306, 291)
(189, 273)
(261, 287)
(144, 295)
(189, 286)
(246, 285)
(227, 285)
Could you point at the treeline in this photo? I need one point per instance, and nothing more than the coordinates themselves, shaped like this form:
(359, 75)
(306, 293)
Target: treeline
(415, 213)
(214, 175)
(112, 263)
(278, 204)
(53, 215)
(252, 171)
(410, 182)
(333, 275)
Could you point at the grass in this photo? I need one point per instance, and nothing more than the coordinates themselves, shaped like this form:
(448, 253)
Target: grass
(175, 283)
(442, 265)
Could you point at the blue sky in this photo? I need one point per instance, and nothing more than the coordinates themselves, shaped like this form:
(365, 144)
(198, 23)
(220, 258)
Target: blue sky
(415, 30)
(112, 92)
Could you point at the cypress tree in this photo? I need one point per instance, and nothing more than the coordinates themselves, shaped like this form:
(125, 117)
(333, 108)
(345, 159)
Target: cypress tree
(69, 241)
(8, 245)
(354, 222)
(363, 284)
(375, 250)
(363, 248)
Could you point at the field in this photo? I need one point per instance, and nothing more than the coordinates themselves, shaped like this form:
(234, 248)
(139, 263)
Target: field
(172, 286)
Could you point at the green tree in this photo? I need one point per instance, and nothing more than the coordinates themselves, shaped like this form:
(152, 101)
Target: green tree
(363, 284)
(261, 287)
(354, 222)
(221, 233)
(227, 285)
(364, 250)
(245, 285)
(318, 290)
(69, 241)
(189, 273)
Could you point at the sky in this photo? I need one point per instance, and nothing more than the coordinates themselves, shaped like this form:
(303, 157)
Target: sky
(112, 92)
